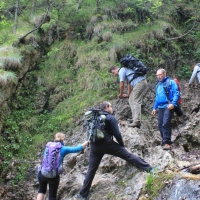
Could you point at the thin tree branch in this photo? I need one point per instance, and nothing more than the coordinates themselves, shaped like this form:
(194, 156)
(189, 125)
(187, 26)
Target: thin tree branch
(190, 29)
(186, 167)
(21, 40)
(183, 34)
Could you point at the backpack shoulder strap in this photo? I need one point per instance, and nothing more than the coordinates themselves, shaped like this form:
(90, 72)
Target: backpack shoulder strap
(167, 87)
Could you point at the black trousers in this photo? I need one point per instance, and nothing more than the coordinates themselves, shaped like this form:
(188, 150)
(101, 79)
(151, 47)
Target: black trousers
(53, 185)
(108, 146)
(164, 124)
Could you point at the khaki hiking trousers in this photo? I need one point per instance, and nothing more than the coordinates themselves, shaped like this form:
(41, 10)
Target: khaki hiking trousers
(135, 99)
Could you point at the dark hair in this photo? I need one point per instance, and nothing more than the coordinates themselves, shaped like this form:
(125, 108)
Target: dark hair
(192, 67)
(112, 68)
(104, 104)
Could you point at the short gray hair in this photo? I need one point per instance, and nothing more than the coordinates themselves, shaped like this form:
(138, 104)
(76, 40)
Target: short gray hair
(104, 104)
(162, 70)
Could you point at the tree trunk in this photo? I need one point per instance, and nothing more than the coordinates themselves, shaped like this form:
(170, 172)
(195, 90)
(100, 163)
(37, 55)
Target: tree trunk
(16, 16)
(97, 5)
(57, 25)
(33, 8)
(78, 5)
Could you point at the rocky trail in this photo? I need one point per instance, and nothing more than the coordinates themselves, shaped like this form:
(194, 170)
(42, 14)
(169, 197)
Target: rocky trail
(116, 179)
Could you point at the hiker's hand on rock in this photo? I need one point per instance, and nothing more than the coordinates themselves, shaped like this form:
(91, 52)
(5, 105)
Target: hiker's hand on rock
(120, 96)
(153, 112)
(85, 144)
(125, 95)
(170, 106)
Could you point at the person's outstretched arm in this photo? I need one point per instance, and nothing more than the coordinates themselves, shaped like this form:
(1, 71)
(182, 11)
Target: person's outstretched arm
(68, 149)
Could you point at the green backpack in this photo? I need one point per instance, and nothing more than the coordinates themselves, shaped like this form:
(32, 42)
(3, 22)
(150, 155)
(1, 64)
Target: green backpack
(95, 123)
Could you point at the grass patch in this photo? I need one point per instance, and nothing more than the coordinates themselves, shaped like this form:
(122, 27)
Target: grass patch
(10, 58)
(7, 77)
(155, 183)
(110, 195)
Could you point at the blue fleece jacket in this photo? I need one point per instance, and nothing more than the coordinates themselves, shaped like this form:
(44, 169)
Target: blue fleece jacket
(66, 150)
(161, 100)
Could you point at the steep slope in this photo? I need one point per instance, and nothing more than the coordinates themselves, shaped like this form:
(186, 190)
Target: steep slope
(63, 71)
(116, 179)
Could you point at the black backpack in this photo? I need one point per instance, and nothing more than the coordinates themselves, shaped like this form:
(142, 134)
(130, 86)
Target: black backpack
(95, 123)
(133, 63)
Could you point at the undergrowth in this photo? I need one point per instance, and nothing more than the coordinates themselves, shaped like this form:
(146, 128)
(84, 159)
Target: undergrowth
(155, 183)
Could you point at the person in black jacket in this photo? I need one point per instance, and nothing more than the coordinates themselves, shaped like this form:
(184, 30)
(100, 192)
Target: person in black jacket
(108, 146)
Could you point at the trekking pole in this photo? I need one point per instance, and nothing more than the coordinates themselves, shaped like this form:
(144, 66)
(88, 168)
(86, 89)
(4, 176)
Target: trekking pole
(89, 133)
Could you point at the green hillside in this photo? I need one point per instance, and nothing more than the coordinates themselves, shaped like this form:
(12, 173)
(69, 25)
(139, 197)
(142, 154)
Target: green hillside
(55, 56)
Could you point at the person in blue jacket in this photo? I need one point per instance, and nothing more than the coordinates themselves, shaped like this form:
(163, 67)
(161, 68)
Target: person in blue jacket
(108, 146)
(54, 182)
(165, 106)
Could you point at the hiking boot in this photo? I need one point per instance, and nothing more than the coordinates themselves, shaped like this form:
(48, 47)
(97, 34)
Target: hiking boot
(167, 147)
(134, 124)
(78, 196)
(153, 170)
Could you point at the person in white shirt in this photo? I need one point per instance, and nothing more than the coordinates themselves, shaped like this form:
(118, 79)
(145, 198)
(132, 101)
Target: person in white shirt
(136, 90)
(196, 73)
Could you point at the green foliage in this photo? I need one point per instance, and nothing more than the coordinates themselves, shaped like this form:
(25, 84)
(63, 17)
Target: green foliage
(7, 77)
(21, 173)
(19, 139)
(48, 26)
(53, 51)
(10, 56)
(155, 183)
(6, 37)
(2, 6)
(3, 23)
(184, 72)
(149, 181)
(151, 5)
(122, 183)
(110, 195)
(197, 53)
